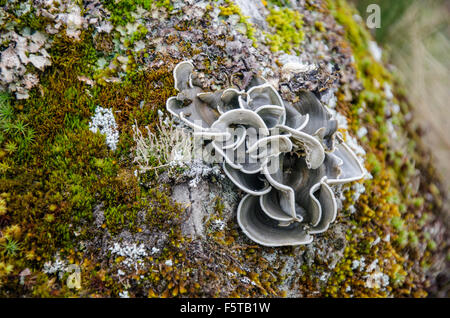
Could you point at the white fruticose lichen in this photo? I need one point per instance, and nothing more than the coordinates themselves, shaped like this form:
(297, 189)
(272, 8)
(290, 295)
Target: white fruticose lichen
(247, 281)
(103, 121)
(358, 190)
(329, 98)
(22, 47)
(361, 132)
(219, 225)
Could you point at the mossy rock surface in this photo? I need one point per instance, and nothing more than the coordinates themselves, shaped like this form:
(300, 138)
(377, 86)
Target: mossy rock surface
(69, 202)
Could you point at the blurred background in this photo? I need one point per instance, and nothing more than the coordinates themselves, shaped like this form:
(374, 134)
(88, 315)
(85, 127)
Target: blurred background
(415, 34)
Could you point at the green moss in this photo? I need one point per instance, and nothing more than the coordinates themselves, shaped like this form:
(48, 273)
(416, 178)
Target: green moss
(418, 202)
(230, 9)
(278, 3)
(121, 11)
(397, 223)
(389, 207)
(10, 247)
(288, 34)
(16, 134)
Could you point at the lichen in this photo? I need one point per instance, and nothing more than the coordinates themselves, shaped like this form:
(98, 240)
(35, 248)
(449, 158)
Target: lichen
(288, 33)
(290, 165)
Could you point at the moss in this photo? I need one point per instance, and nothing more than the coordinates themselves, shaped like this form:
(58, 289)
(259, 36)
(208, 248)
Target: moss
(288, 34)
(230, 9)
(52, 184)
